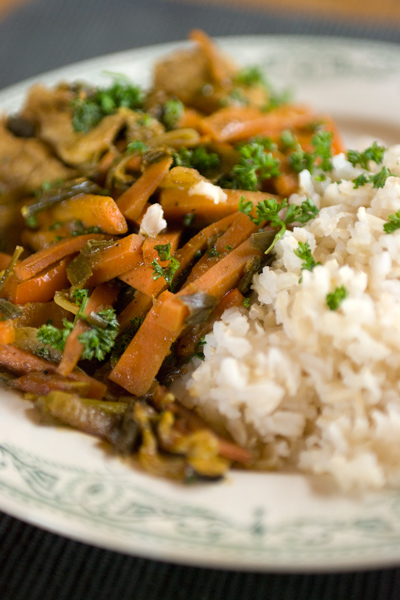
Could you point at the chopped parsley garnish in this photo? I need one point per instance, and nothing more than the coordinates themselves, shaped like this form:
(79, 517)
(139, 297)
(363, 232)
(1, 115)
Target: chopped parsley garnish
(172, 112)
(200, 159)
(393, 223)
(321, 157)
(268, 210)
(250, 77)
(256, 165)
(378, 180)
(188, 219)
(374, 153)
(277, 99)
(168, 272)
(137, 146)
(97, 340)
(335, 299)
(78, 228)
(288, 140)
(88, 112)
(305, 254)
(246, 302)
(212, 251)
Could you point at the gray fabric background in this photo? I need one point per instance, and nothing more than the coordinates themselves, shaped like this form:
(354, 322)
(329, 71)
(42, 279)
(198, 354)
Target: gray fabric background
(36, 565)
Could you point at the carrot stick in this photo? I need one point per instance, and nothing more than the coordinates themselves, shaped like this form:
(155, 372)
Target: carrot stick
(31, 266)
(116, 259)
(40, 288)
(149, 251)
(141, 361)
(138, 307)
(234, 124)
(4, 260)
(177, 203)
(22, 362)
(93, 210)
(133, 200)
(141, 276)
(217, 281)
(102, 297)
(241, 228)
(7, 331)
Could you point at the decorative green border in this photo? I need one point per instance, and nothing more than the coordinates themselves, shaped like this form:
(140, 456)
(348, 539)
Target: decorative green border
(114, 504)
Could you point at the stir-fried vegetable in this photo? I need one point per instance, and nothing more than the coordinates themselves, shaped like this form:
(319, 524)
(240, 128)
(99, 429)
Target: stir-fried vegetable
(172, 201)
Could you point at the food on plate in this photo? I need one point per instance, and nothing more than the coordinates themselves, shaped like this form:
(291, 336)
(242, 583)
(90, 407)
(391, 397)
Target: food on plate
(201, 275)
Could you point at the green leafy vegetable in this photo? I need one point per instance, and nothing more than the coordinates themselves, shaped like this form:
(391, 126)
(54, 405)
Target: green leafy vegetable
(374, 153)
(168, 272)
(268, 210)
(393, 223)
(137, 146)
(321, 157)
(89, 111)
(288, 140)
(305, 254)
(256, 165)
(199, 158)
(250, 77)
(172, 112)
(378, 180)
(335, 299)
(99, 338)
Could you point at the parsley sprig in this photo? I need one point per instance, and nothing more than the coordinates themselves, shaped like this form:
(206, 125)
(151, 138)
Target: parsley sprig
(373, 153)
(305, 254)
(199, 158)
(393, 223)
(321, 157)
(97, 340)
(89, 111)
(255, 166)
(269, 210)
(378, 180)
(335, 298)
(168, 272)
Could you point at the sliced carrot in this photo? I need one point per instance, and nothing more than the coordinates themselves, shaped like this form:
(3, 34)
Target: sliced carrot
(22, 362)
(191, 337)
(4, 260)
(141, 276)
(138, 307)
(42, 384)
(234, 124)
(133, 200)
(93, 210)
(7, 331)
(31, 266)
(44, 237)
(40, 288)
(102, 297)
(149, 251)
(141, 361)
(178, 203)
(217, 281)
(119, 258)
(241, 228)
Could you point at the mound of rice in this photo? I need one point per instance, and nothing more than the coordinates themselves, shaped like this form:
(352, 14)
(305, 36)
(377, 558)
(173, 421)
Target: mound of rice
(304, 386)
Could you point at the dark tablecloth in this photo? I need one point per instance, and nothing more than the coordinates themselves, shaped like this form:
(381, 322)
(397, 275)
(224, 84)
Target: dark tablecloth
(37, 565)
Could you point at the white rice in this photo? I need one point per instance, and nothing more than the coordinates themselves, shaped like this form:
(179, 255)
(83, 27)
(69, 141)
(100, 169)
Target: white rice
(304, 386)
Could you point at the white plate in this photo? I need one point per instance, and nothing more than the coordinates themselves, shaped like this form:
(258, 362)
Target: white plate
(64, 481)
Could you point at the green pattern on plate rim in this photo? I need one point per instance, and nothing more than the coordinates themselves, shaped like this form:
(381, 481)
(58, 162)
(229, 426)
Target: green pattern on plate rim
(117, 505)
